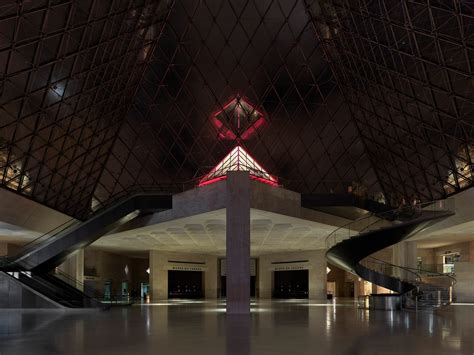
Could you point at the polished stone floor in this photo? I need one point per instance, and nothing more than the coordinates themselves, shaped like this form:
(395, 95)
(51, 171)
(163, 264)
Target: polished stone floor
(285, 327)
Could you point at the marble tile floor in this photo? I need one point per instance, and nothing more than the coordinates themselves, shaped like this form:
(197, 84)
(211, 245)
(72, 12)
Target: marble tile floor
(202, 327)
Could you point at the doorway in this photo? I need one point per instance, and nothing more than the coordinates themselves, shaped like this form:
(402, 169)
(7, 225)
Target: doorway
(290, 284)
(107, 290)
(145, 292)
(124, 291)
(185, 284)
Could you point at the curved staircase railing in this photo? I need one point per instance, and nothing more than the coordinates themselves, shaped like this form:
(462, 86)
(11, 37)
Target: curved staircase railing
(374, 221)
(430, 289)
(350, 247)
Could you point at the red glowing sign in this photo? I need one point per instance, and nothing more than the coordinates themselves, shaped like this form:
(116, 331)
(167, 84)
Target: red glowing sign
(237, 119)
(238, 160)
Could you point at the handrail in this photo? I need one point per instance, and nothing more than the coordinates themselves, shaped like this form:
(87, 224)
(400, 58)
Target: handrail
(70, 278)
(66, 276)
(417, 271)
(8, 261)
(72, 223)
(46, 236)
(381, 262)
(103, 301)
(402, 213)
(63, 227)
(44, 283)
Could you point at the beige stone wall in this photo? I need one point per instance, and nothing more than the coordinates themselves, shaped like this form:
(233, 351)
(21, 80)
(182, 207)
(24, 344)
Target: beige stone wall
(317, 272)
(74, 267)
(3, 249)
(138, 267)
(28, 213)
(344, 281)
(427, 255)
(464, 269)
(404, 255)
(432, 256)
(111, 267)
(159, 266)
(287, 202)
(338, 276)
(384, 254)
(464, 287)
(8, 248)
(462, 248)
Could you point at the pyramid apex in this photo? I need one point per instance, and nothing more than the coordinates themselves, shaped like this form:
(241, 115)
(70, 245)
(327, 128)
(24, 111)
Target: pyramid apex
(238, 159)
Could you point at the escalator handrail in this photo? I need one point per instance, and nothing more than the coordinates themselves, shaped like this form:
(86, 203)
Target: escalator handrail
(70, 278)
(46, 285)
(83, 292)
(62, 227)
(99, 300)
(45, 238)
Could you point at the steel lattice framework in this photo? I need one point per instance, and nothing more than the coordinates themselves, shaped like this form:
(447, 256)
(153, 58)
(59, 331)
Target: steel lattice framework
(406, 70)
(213, 51)
(101, 97)
(69, 70)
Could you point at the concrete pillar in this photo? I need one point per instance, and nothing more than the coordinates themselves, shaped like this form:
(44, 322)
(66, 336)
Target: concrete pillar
(238, 242)
(7, 249)
(3, 249)
(404, 254)
(265, 277)
(211, 276)
(158, 276)
(317, 275)
(238, 334)
(74, 267)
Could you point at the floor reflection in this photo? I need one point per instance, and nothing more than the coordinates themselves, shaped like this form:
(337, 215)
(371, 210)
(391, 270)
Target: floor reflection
(279, 327)
(238, 329)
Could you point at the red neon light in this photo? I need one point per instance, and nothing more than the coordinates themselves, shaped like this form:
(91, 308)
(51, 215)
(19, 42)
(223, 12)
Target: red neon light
(224, 132)
(233, 161)
(208, 182)
(253, 128)
(256, 178)
(265, 181)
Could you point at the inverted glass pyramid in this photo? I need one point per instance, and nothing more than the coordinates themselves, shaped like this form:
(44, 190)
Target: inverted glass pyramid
(238, 160)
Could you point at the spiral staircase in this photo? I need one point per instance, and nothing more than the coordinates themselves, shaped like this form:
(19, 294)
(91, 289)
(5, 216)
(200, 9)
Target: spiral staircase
(351, 247)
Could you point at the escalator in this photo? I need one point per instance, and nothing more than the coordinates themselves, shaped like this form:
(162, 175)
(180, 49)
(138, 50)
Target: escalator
(54, 289)
(32, 266)
(351, 247)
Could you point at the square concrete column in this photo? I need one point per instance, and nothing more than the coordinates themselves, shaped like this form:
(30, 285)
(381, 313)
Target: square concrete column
(265, 277)
(404, 255)
(211, 276)
(317, 275)
(238, 242)
(158, 276)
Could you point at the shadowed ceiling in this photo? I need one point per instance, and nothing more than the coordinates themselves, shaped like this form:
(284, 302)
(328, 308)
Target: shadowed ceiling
(99, 98)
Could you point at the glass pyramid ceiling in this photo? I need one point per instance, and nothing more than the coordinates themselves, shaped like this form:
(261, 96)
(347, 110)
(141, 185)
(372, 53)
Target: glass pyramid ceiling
(238, 160)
